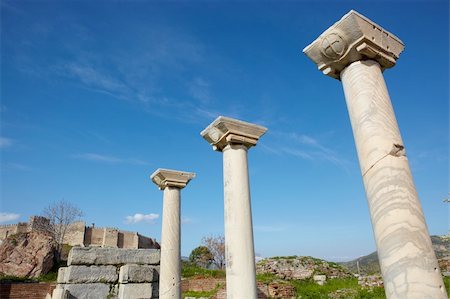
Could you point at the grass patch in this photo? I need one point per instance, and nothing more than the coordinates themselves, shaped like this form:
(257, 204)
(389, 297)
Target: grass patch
(189, 270)
(9, 278)
(447, 283)
(199, 294)
(350, 290)
(49, 277)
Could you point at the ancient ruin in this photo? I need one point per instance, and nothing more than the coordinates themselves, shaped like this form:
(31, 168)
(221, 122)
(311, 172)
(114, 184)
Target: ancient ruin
(78, 234)
(355, 50)
(171, 181)
(233, 138)
(111, 263)
(109, 273)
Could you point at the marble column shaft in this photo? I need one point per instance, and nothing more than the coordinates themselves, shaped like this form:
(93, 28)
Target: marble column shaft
(407, 259)
(234, 138)
(170, 269)
(356, 50)
(239, 247)
(171, 181)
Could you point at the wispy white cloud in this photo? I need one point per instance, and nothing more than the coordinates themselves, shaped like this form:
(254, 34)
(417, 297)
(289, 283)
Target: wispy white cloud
(137, 74)
(17, 166)
(8, 6)
(108, 159)
(96, 79)
(199, 89)
(306, 147)
(138, 217)
(6, 142)
(97, 157)
(7, 217)
(297, 152)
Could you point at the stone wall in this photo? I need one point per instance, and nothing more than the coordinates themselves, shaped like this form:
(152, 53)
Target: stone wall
(93, 236)
(7, 230)
(145, 242)
(202, 284)
(21, 227)
(78, 234)
(110, 237)
(128, 240)
(75, 234)
(264, 290)
(38, 223)
(109, 273)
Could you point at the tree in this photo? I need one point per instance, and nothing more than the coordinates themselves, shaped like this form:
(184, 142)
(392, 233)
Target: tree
(201, 256)
(216, 246)
(61, 214)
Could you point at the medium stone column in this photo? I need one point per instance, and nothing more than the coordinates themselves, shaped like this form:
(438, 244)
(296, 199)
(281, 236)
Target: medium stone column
(234, 138)
(356, 51)
(171, 181)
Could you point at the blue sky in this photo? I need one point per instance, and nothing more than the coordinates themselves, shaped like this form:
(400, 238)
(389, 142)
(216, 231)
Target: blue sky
(95, 95)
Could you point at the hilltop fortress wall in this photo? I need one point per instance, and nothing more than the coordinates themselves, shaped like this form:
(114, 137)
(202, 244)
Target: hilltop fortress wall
(36, 223)
(78, 234)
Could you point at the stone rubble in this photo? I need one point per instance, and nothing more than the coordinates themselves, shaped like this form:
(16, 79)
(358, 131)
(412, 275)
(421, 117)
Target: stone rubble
(320, 279)
(300, 268)
(370, 281)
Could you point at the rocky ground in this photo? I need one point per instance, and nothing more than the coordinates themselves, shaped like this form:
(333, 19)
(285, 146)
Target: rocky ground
(26, 255)
(300, 268)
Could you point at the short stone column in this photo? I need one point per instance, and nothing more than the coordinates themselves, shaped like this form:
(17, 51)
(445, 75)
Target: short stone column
(171, 181)
(356, 51)
(234, 138)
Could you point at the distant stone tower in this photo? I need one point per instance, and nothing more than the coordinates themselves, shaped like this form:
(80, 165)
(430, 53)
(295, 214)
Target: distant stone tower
(38, 223)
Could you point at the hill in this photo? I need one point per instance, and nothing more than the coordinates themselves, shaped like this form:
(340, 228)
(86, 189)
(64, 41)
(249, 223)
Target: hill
(369, 264)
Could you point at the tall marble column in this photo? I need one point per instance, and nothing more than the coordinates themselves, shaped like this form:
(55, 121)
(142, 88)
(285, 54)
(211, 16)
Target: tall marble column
(171, 181)
(234, 138)
(356, 51)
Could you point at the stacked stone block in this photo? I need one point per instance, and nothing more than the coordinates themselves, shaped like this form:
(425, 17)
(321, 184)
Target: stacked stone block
(96, 273)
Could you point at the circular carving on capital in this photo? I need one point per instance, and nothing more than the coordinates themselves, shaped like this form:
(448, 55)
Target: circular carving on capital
(214, 134)
(333, 45)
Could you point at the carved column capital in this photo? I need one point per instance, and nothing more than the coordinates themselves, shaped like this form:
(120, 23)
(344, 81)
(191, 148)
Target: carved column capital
(171, 178)
(225, 131)
(354, 37)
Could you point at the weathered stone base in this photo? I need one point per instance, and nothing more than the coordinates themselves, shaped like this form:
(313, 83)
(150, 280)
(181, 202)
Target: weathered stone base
(138, 291)
(138, 273)
(85, 274)
(112, 256)
(93, 273)
(90, 290)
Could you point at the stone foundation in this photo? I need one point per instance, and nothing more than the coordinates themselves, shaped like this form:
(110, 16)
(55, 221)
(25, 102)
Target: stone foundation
(100, 273)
